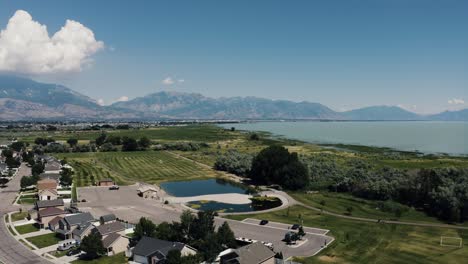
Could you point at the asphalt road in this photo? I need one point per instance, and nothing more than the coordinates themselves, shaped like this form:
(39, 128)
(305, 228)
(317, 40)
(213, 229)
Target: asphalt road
(12, 251)
(127, 205)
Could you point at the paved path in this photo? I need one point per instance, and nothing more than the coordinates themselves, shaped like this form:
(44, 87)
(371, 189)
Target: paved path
(11, 250)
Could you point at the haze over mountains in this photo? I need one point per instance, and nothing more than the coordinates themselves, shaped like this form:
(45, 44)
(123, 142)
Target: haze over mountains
(25, 99)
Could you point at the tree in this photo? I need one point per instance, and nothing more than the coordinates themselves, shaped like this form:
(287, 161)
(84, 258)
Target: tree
(301, 232)
(187, 220)
(254, 136)
(144, 142)
(72, 142)
(107, 147)
(234, 162)
(92, 245)
(349, 210)
(3, 181)
(43, 141)
(204, 224)
(101, 139)
(145, 227)
(129, 144)
(66, 177)
(26, 181)
(275, 164)
(173, 257)
(17, 146)
(37, 168)
(226, 237)
(115, 140)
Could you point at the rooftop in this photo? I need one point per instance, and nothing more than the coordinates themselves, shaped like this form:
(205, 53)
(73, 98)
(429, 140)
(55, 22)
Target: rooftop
(49, 203)
(113, 227)
(149, 246)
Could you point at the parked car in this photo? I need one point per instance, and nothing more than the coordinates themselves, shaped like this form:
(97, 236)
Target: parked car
(295, 226)
(114, 187)
(73, 252)
(263, 222)
(66, 244)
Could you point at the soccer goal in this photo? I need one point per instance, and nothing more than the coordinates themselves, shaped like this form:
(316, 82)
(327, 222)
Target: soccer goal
(451, 241)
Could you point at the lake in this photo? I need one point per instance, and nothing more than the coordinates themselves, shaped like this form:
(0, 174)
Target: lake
(426, 137)
(200, 187)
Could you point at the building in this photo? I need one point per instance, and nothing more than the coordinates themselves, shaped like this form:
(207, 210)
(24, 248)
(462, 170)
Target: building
(69, 223)
(52, 166)
(148, 192)
(58, 203)
(44, 216)
(106, 182)
(51, 176)
(54, 223)
(105, 219)
(82, 230)
(153, 251)
(255, 253)
(46, 184)
(115, 244)
(47, 194)
(113, 227)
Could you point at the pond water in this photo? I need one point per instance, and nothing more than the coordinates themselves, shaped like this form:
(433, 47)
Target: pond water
(220, 207)
(201, 187)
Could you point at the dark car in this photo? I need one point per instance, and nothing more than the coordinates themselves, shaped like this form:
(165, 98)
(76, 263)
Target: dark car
(295, 226)
(263, 222)
(114, 187)
(74, 252)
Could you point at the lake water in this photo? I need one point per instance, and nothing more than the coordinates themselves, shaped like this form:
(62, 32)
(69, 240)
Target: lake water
(220, 207)
(427, 137)
(200, 187)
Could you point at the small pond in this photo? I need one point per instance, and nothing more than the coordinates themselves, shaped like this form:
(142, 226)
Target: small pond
(201, 187)
(220, 207)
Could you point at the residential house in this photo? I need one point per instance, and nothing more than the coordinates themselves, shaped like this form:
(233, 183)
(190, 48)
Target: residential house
(148, 192)
(47, 189)
(113, 227)
(44, 216)
(48, 194)
(82, 230)
(72, 222)
(106, 182)
(51, 176)
(255, 253)
(54, 223)
(115, 243)
(58, 203)
(106, 219)
(153, 251)
(52, 166)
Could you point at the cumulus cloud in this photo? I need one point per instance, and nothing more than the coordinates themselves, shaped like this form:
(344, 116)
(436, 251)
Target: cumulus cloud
(456, 101)
(168, 81)
(25, 46)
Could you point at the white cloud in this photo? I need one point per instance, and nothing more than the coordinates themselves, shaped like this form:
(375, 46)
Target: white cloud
(168, 81)
(456, 101)
(25, 46)
(100, 101)
(122, 99)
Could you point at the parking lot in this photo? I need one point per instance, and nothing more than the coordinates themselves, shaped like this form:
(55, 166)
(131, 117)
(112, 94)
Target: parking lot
(127, 205)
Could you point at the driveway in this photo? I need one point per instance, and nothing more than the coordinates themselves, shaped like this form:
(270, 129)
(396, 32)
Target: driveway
(12, 251)
(127, 205)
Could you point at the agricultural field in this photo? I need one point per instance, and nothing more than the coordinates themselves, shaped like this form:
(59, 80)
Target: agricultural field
(360, 242)
(130, 167)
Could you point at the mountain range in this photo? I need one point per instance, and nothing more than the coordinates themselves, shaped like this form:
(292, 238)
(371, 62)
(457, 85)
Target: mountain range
(25, 99)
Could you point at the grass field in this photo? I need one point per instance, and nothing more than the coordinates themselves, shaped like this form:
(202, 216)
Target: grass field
(27, 199)
(359, 242)
(24, 229)
(44, 240)
(18, 216)
(129, 167)
(117, 259)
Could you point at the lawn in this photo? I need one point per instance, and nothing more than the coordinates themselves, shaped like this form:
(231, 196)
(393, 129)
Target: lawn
(117, 259)
(360, 242)
(44, 240)
(18, 216)
(24, 229)
(27, 199)
(128, 167)
(339, 202)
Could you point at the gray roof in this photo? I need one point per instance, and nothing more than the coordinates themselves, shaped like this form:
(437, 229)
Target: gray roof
(149, 246)
(81, 229)
(107, 242)
(52, 176)
(49, 203)
(254, 253)
(52, 166)
(79, 219)
(107, 218)
(113, 227)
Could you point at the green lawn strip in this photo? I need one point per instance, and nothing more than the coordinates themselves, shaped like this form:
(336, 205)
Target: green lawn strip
(44, 240)
(28, 199)
(339, 202)
(24, 229)
(11, 230)
(18, 216)
(361, 242)
(116, 259)
(26, 244)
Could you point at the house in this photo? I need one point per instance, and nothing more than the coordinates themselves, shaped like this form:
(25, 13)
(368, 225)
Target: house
(105, 219)
(148, 192)
(113, 227)
(106, 182)
(153, 251)
(115, 243)
(46, 184)
(48, 194)
(51, 176)
(72, 222)
(255, 253)
(82, 230)
(52, 166)
(58, 203)
(54, 223)
(44, 216)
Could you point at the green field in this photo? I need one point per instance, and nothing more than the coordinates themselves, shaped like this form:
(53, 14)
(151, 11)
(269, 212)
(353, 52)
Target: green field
(44, 240)
(129, 167)
(360, 242)
(18, 216)
(24, 229)
(117, 259)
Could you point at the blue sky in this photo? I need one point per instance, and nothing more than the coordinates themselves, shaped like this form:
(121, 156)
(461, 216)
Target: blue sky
(344, 54)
